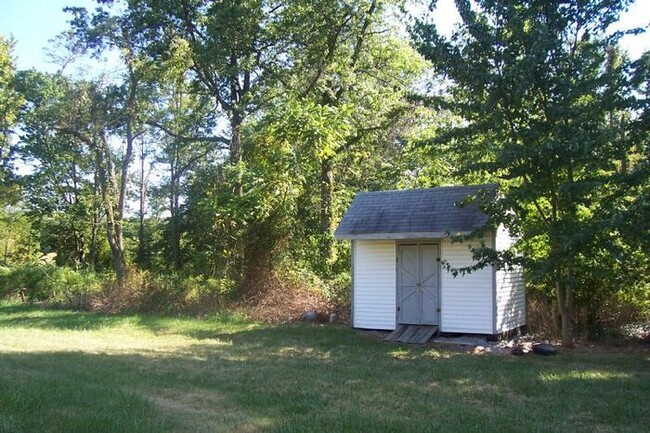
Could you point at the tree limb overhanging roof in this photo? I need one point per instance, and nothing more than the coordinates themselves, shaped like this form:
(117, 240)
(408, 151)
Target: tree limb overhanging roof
(416, 213)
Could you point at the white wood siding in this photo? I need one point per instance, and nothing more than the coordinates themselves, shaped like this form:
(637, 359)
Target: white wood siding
(467, 300)
(510, 290)
(374, 279)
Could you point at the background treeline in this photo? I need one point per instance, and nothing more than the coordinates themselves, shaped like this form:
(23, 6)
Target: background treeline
(216, 161)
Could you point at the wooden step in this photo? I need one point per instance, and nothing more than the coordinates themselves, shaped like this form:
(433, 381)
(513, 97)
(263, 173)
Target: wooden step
(397, 333)
(412, 334)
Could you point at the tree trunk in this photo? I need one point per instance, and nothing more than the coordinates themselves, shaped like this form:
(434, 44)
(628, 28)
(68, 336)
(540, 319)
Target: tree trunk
(326, 191)
(93, 256)
(77, 233)
(567, 328)
(115, 215)
(624, 162)
(236, 150)
(93, 253)
(114, 237)
(79, 248)
(119, 264)
(123, 184)
(567, 308)
(118, 213)
(175, 221)
(142, 253)
(108, 187)
(565, 295)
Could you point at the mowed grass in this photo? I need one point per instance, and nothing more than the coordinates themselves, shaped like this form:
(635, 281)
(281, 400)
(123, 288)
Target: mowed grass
(63, 371)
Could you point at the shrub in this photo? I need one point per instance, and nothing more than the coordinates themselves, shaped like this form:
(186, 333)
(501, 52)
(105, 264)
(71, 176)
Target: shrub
(339, 289)
(203, 293)
(70, 288)
(58, 285)
(336, 289)
(607, 316)
(145, 291)
(542, 318)
(282, 295)
(24, 282)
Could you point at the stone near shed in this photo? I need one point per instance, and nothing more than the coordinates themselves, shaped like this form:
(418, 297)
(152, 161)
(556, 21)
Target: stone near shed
(309, 316)
(478, 350)
(544, 349)
(334, 318)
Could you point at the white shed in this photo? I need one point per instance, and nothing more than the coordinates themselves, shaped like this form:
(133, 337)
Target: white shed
(400, 239)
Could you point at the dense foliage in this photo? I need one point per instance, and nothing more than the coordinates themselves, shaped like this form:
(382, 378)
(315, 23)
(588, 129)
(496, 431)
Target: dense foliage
(550, 104)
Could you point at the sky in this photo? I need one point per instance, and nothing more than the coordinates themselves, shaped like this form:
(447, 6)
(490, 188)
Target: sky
(34, 22)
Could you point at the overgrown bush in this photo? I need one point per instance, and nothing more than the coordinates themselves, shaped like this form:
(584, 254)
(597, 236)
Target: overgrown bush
(24, 282)
(542, 318)
(185, 294)
(71, 288)
(336, 290)
(57, 285)
(339, 289)
(604, 317)
(144, 291)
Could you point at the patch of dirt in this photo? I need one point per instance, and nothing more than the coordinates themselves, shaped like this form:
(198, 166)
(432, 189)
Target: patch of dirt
(201, 411)
(186, 401)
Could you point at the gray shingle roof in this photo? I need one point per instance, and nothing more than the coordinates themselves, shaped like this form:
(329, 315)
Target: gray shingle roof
(415, 213)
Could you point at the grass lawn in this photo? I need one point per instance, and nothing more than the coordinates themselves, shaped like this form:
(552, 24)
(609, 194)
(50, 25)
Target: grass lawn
(63, 371)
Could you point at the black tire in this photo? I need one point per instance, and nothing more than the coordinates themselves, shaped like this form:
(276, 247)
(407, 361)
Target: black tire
(544, 349)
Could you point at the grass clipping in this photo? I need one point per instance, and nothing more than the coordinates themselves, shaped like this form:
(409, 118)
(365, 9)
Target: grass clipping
(274, 300)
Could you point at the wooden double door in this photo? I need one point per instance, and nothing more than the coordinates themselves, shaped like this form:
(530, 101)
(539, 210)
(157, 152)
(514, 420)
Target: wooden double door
(418, 284)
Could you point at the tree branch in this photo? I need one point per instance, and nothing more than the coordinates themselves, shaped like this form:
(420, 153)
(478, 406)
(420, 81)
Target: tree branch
(216, 139)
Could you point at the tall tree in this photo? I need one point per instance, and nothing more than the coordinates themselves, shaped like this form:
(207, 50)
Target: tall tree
(98, 33)
(92, 114)
(56, 189)
(17, 242)
(231, 48)
(184, 123)
(11, 102)
(347, 91)
(535, 84)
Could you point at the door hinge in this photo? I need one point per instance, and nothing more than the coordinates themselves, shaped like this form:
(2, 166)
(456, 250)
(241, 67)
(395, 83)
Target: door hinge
(398, 308)
(438, 309)
(437, 259)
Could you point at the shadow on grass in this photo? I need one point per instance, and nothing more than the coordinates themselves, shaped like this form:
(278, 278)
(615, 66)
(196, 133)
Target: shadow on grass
(34, 316)
(223, 325)
(281, 383)
(302, 378)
